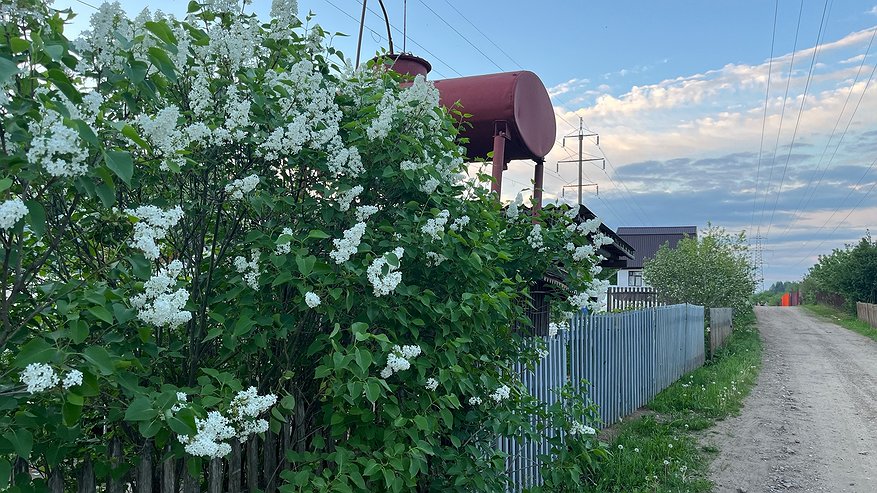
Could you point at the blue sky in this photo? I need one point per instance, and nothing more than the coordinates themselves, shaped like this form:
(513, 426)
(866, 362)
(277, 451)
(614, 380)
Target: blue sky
(676, 90)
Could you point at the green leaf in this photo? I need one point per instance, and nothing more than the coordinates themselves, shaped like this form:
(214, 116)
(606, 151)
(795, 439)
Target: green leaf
(86, 133)
(372, 390)
(35, 351)
(140, 409)
(8, 69)
(106, 194)
(316, 233)
(64, 84)
(161, 31)
(55, 51)
(100, 358)
(21, 440)
(305, 264)
(5, 183)
(159, 58)
(284, 276)
(288, 402)
(181, 427)
(121, 164)
(5, 473)
(70, 413)
(101, 313)
(18, 45)
(36, 217)
(371, 468)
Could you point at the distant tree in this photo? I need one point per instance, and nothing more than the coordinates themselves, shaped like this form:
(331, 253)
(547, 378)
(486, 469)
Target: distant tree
(713, 271)
(850, 272)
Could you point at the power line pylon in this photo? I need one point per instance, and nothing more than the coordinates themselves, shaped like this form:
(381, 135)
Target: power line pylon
(581, 136)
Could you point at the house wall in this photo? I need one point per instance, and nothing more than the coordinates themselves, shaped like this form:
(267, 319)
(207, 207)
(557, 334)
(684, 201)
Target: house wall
(623, 276)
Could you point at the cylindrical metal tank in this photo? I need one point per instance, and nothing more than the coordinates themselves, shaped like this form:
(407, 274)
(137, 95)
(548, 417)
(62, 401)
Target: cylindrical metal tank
(517, 98)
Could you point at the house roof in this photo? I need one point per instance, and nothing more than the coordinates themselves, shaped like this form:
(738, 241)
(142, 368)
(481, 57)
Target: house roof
(647, 240)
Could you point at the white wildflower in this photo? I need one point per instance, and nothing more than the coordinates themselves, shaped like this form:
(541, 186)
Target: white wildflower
(239, 188)
(312, 300)
(347, 246)
(72, 379)
(38, 377)
(160, 304)
(12, 211)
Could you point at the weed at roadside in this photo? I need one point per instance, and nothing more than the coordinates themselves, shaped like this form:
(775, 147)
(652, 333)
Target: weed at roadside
(843, 319)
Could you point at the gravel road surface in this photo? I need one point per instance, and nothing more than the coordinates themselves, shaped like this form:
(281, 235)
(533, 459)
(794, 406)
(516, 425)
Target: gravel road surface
(810, 423)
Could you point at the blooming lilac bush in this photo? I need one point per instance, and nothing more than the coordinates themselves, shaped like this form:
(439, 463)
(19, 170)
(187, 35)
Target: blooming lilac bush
(213, 228)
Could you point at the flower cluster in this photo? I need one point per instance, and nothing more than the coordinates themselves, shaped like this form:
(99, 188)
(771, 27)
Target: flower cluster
(577, 428)
(283, 247)
(535, 238)
(434, 259)
(56, 147)
(501, 394)
(420, 97)
(385, 282)
(364, 212)
(11, 211)
(583, 252)
(41, 376)
(165, 135)
(345, 200)
(249, 269)
(241, 422)
(160, 304)
(555, 327)
(240, 187)
(459, 223)
(513, 210)
(153, 224)
(434, 227)
(399, 359)
(346, 247)
(312, 300)
(431, 384)
(475, 401)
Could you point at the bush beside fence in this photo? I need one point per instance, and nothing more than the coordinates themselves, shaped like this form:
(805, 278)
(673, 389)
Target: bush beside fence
(626, 359)
(867, 312)
(721, 322)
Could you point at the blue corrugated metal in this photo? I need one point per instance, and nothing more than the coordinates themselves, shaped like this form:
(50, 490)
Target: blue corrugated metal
(626, 359)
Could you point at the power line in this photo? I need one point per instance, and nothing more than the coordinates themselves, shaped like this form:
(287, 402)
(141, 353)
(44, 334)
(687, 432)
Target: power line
(800, 113)
(806, 197)
(764, 115)
(782, 117)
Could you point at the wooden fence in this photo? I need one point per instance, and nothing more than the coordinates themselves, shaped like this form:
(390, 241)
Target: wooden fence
(867, 312)
(626, 358)
(721, 324)
(623, 298)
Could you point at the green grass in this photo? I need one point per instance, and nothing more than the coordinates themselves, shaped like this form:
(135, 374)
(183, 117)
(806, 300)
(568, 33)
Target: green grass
(659, 452)
(844, 319)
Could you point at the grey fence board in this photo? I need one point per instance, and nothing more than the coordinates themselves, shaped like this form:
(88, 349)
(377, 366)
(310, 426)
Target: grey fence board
(720, 327)
(867, 312)
(625, 359)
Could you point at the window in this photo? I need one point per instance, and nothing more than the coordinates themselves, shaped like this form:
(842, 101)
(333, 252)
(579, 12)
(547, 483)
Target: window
(635, 278)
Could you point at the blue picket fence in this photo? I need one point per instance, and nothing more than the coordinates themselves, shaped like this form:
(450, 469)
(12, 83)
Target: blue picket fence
(626, 359)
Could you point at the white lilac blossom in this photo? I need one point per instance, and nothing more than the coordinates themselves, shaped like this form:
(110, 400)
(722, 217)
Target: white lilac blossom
(600, 239)
(347, 246)
(38, 377)
(209, 439)
(12, 211)
(181, 402)
(399, 359)
(72, 379)
(434, 227)
(284, 247)
(513, 210)
(583, 252)
(434, 259)
(382, 283)
(345, 161)
(475, 401)
(56, 147)
(579, 429)
(501, 394)
(249, 269)
(542, 353)
(165, 135)
(429, 185)
(345, 200)
(153, 224)
(160, 304)
(459, 223)
(419, 98)
(239, 188)
(555, 327)
(431, 384)
(535, 238)
(99, 44)
(312, 300)
(589, 226)
(364, 212)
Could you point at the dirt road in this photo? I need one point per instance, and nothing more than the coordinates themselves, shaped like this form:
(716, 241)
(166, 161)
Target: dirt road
(810, 423)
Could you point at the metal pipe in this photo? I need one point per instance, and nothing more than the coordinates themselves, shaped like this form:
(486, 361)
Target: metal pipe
(499, 139)
(359, 40)
(539, 175)
(387, 21)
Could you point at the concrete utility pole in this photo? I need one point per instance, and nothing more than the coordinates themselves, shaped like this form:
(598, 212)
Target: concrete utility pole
(581, 136)
(758, 260)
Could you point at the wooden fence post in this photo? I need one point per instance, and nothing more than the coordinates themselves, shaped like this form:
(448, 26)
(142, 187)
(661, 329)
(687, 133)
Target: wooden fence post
(234, 468)
(86, 478)
(215, 476)
(116, 484)
(144, 468)
(168, 473)
(252, 463)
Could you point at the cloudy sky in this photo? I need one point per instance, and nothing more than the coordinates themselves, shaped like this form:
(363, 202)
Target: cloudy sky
(678, 91)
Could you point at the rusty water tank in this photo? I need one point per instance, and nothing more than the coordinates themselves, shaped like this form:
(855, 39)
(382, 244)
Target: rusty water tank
(517, 98)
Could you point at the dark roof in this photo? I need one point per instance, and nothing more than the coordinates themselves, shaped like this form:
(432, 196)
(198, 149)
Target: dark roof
(647, 240)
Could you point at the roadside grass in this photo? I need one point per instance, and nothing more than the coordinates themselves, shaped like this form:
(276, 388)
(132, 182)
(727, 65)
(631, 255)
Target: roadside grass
(844, 319)
(660, 451)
